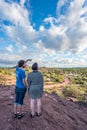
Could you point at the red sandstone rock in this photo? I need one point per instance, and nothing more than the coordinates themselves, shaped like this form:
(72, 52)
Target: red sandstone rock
(57, 114)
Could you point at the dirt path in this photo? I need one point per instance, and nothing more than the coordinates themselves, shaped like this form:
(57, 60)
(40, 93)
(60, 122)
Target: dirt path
(59, 85)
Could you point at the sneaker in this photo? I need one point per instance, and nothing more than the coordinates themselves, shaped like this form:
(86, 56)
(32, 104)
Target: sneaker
(38, 114)
(20, 115)
(14, 115)
(31, 115)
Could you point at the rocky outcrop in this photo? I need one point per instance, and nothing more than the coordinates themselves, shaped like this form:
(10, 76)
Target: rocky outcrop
(57, 114)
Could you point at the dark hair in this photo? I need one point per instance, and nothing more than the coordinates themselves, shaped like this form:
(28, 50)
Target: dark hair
(21, 63)
(35, 66)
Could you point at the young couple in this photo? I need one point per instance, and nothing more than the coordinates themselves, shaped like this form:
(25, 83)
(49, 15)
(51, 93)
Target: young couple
(35, 89)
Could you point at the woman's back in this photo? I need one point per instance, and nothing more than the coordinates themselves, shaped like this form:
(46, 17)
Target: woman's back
(35, 78)
(35, 82)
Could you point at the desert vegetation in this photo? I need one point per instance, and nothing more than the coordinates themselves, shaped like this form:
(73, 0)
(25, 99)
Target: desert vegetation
(76, 88)
(7, 76)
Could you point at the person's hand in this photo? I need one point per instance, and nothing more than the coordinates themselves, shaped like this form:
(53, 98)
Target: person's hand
(28, 60)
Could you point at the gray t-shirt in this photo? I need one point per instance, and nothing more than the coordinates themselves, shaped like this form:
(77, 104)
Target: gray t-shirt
(35, 83)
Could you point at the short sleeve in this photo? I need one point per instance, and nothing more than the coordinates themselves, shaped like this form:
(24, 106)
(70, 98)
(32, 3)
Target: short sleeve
(23, 74)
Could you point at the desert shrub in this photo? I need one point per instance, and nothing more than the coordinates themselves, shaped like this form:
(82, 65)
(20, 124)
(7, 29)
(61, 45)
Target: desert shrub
(78, 80)
(52, 90)
(72, 80)
(2, 81)
(61, 78)
(47, 90)
(46, 79)
(73, 91)
(57, 78)
(84, 85)
(5, 71)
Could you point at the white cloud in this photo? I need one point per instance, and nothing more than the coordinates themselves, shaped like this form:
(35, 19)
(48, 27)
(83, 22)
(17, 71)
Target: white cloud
(17, 14)
(42, 28)
(51, 20)
(9, 48)
(69, 31)
(21, 32)
(62, 43)
(9, 59)
(22, 2)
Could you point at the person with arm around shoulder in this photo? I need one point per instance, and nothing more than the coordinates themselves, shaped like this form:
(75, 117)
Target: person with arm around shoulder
(35, 84)
(20, 88)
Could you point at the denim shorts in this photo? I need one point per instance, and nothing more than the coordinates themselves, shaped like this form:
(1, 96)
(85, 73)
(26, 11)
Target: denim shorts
(20, 94)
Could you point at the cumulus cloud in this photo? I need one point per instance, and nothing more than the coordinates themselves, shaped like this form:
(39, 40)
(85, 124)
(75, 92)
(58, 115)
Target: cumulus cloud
(17, 14)
(22, 2)
(63, 42)
(9, 48)
(75, 24)
(20, 31)
(9, 60)
(68, 31)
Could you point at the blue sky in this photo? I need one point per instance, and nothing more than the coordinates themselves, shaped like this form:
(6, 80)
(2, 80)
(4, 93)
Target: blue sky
(51, 32)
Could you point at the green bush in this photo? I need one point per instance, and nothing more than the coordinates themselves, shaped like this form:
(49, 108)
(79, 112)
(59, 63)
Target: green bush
(52, 90)
(72, 80)
(73, 91)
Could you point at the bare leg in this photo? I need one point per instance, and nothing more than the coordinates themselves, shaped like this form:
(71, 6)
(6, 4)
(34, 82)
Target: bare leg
(15, 108)
(39, 105)
(32, 104)
(19, 108)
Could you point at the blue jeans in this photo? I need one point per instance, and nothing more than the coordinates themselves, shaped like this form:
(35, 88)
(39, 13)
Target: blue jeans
(20, 94)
